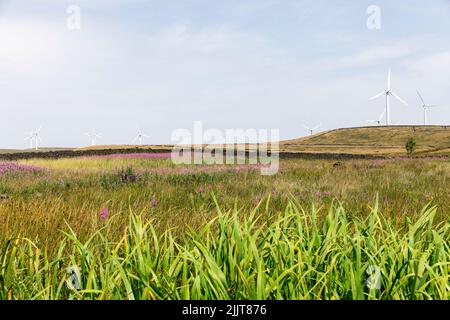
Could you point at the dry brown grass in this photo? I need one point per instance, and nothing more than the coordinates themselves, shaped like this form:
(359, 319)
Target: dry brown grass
(374, 140)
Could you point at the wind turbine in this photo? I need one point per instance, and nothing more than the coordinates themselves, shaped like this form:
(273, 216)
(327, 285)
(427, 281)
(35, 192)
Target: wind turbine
(425, 108)
(30, 136)
(37, 137)
(139, 137)
(388, 92)
(312, 129)
(93, 137)
(379, 119)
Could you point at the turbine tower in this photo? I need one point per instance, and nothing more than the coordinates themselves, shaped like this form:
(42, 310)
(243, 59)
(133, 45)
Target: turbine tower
(311, 130)
(425, 108)
(93, 137)
(37, 137)
(140, 136)
(388, 93)
(378, 122)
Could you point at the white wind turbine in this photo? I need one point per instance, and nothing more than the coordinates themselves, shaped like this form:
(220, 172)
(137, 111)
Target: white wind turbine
(93, 137)
(311, 130)
(140, 136)
(425, 108)
(388, 92)
(378, 122)
(30, 137)
(37, 137)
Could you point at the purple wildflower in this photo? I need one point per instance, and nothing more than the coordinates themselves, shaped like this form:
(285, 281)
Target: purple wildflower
(323, 194)
(200, 190)
(104, 213)
(7, 167)
(154, 202)
(165, 155)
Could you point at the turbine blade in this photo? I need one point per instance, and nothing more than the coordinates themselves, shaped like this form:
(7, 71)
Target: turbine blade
(306, 127)
(317, 127)
(399, 99)
(389, 79)
(420, 96)
(376, 96)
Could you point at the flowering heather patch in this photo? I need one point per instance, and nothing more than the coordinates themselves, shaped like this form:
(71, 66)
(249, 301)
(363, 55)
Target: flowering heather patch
(165, 155)
(7, 167)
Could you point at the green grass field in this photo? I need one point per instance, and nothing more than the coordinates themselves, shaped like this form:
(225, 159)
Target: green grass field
(316, 230)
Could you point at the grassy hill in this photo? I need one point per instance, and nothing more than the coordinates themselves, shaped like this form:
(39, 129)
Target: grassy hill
(431, 140)
(373, 140)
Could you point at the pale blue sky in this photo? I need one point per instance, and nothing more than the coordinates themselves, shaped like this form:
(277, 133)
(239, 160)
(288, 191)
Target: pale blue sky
(232, 64)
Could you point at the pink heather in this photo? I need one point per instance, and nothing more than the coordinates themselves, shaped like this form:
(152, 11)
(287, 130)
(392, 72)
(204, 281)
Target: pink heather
(104, 213)
(166, 155)
(7, 167)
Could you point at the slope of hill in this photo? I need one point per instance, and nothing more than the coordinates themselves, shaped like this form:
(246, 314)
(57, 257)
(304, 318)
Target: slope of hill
(373, 140)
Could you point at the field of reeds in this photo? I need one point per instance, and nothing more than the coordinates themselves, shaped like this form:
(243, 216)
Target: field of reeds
(141, 227)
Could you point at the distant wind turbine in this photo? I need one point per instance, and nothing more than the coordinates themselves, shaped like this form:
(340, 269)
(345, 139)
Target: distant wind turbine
(311, 130)
(425, 108)
(378, 122)
(93, 137)
(140, 136)
(388, 92)
(30, 137)
(37, 137)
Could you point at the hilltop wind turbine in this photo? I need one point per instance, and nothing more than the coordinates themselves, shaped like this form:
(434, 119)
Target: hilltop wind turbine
(311, 130)
(378, 122)
(140, 136)
(30, 136)
(37, 137)
(388, 92)
(425, 108)
(93, 137)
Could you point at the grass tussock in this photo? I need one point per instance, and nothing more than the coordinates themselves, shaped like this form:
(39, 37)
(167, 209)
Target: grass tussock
(299, 254)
